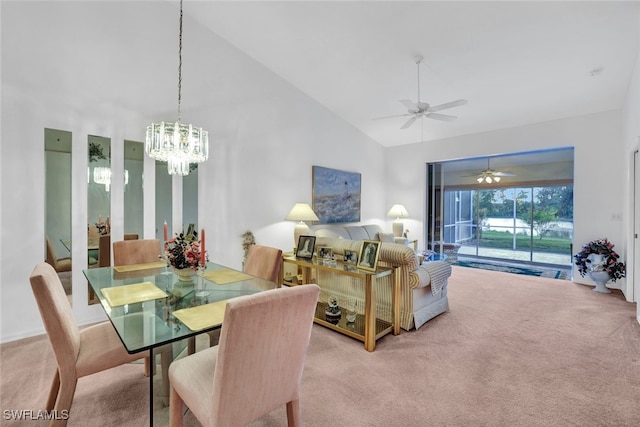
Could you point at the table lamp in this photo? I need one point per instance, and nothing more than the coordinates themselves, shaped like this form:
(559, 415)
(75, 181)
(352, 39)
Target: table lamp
(301, 212)
(397, 212)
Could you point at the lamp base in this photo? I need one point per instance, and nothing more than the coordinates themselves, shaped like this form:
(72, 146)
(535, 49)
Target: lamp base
(398, 228)
(301, 229)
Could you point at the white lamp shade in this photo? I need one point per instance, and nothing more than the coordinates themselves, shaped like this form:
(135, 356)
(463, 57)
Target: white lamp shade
(301, 212)
(398, 211)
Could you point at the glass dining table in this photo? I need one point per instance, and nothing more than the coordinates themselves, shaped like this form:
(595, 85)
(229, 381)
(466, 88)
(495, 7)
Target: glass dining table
(151, 306)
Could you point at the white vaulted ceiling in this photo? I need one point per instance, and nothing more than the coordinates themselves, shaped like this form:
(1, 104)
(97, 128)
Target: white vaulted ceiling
(516, 62)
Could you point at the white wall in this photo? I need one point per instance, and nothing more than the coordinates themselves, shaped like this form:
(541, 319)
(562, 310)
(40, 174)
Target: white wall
(631, 138)
(94, 73)
(600, 160)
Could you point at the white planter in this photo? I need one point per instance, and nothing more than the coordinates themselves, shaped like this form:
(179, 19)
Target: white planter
(601, 278)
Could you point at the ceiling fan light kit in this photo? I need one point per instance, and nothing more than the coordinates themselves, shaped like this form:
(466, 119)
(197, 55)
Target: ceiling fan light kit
(420, 109)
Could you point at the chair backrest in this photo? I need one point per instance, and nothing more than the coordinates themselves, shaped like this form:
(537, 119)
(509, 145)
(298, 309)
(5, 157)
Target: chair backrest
(56, 314)
(276, 326)
(127, 252)
(104, 248)
(263, 262)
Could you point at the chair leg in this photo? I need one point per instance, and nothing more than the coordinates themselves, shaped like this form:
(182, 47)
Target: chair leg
(63, 404)
(53, 392)
(294, 413)
(176, 409)
(166, 358)
(147, 367)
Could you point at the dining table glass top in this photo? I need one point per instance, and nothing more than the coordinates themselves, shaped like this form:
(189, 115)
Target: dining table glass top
(150, 306)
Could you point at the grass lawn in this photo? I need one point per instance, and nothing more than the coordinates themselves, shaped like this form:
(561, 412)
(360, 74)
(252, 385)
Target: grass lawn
(504, 240)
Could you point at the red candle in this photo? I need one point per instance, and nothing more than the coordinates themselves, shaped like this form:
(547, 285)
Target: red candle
(166, 231)
(202, 255)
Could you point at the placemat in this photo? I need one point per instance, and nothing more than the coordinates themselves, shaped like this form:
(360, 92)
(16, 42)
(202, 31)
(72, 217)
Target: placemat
(129, 294)
(136, 267)
(222, 277)
(202, 316)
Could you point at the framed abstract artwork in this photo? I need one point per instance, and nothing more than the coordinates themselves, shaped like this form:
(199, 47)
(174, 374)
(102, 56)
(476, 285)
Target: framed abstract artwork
(336, 195)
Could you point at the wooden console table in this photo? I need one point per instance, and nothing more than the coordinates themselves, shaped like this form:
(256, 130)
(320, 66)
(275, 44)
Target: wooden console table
(367, 328)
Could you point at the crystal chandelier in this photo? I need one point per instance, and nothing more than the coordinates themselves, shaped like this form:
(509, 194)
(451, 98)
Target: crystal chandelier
(176, 143)
(102, 175)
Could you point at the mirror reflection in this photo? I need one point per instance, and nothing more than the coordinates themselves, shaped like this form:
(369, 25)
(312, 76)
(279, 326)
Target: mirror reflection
(98, 199)
(164, 193)
(57, 147)
(190, 199)
(133, 188)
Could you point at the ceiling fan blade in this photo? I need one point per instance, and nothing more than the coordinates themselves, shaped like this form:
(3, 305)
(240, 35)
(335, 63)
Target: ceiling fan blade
(391, 117)
(411, 106)
(443, 117)
(448, 105)
(504, 173)
(409, 122)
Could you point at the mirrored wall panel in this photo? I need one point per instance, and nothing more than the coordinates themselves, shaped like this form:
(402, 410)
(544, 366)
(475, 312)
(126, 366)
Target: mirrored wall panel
(190, 200)
(133, 189)
(164, 196)
(57, 244)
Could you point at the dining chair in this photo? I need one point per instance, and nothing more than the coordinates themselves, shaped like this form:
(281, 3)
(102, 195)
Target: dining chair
(263, 262)
(256, 368)
(78, 352)
(104, 248)
(128, 252)
(59, 264)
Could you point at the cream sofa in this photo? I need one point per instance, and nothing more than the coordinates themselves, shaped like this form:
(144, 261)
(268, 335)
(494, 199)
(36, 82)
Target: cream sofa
(423, 288)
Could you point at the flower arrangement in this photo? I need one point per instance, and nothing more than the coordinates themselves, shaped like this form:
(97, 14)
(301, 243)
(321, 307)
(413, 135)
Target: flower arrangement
(182, 252)
(611, 265)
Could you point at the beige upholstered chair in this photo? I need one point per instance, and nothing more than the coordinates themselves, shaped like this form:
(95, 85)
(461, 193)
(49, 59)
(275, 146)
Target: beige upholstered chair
(59, 264)
(104, 248)
(78, 352)
(256, 368)
(128, 252)
(263, 262)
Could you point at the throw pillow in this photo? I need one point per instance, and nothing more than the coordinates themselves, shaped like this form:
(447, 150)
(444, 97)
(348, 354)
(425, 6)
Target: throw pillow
(386, 237)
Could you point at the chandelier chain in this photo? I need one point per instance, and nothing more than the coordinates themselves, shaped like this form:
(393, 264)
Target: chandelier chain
(180, 65)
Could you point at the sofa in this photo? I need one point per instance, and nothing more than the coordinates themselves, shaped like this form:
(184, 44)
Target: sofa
(423, 288)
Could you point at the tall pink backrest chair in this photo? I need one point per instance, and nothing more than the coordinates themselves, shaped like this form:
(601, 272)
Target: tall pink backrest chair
(128, 252)
(78, 352)
(133, 251)
(256, 368)
(263, 262)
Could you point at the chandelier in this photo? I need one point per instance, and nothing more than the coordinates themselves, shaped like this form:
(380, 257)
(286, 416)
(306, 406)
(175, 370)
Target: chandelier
(176, 143)
(102, 175)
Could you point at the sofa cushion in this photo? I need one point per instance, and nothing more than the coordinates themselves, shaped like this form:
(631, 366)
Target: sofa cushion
(357, 232)
(386, 237)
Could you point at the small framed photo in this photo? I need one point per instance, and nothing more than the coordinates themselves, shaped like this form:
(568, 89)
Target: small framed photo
(325, 252)
(306, 245)
(369, 251)
(350, 257)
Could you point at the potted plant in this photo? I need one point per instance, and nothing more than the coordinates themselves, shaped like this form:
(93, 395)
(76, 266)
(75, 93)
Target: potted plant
(598, 260)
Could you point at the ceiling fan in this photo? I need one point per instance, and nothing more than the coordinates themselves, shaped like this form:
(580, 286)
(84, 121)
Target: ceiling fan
(490, 175)
(420, 109)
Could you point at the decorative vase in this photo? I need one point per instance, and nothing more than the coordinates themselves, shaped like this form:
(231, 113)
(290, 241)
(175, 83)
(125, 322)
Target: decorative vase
(601, 278)
(185, 274)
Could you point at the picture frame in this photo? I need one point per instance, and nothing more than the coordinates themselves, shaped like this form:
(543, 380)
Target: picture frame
(350, 257)
(325, 252)
(306, 245)
(369, 253)
(336, 195)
